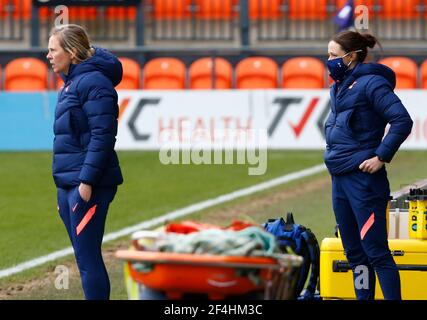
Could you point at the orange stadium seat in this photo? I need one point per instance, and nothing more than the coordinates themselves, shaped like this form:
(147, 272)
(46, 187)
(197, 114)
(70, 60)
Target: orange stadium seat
(215, 9)
(26, 74)
(45, 13)
(58, 82)
(330, 80)
(172, 9)
(120, 13)
(131, 75)
(18, 9)
(423, 72)
(201, 72)
(265, 9)
(82, 13)
(54, 81)
(3, 9)
(405, 69)
(130, 81)
(303, 72)
(256, 73)
(399, 9)
(307, 9)
(164, 73)
(92, 13)
(74, 13)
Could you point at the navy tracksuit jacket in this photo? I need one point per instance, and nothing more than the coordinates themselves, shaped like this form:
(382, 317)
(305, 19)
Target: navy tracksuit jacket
(361, 106)
(85, 131)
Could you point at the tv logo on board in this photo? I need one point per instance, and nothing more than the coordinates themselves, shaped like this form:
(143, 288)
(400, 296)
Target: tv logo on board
(305, 110)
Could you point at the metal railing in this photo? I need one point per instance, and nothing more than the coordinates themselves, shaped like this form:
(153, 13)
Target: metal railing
(100, 23)
(232, 22)
(285, 20)
(191, 20)
(403, 23)
(386, 19)
(292, 21)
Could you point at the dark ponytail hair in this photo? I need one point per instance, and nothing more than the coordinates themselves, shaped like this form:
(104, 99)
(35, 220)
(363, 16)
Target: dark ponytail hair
(353, 41)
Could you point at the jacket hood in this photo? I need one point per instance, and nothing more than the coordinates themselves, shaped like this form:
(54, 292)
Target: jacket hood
(363, 69)
(103, 61)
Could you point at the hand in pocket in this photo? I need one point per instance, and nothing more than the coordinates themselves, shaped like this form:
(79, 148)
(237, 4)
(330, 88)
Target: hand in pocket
(85, 191)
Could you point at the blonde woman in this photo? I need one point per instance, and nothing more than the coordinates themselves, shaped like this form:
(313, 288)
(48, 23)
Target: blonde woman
(85, 167)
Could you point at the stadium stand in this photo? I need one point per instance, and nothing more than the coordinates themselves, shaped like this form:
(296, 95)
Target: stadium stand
(83, 13)
(405, 69)
(303, 72)
(75, 13)
(308, 9)
(120, 13)
(257, 72)
(164, 73)
(217, 20)
(399, 9)
(172, 9)
(215, 9)
(214, 20)
(265, 9)
(224, 9)
(202, 75)
(131, 74)
(26, 74)
(423, 75)
(19, 9)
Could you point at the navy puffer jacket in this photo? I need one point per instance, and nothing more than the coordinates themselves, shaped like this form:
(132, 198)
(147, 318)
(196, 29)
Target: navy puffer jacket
(361, 106)
(85, 124)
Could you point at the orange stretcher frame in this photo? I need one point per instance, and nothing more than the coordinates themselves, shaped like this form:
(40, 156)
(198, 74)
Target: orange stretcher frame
(214, 275)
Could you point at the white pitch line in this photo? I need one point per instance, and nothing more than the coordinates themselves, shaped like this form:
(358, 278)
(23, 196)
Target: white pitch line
(169, 216)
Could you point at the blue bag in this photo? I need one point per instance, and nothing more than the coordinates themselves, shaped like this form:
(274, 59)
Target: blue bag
(295, 238)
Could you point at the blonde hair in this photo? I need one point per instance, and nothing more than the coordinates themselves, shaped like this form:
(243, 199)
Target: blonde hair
(72, 36)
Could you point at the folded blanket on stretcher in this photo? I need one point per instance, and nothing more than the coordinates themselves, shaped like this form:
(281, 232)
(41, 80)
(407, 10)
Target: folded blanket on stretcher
(251, 241)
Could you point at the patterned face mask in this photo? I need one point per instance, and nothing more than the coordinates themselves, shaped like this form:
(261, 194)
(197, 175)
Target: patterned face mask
(337, 68)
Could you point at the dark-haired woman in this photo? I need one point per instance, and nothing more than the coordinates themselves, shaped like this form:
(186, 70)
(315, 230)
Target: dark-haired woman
(362, 104)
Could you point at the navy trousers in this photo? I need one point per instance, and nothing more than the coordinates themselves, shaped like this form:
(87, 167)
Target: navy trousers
(360, 203)
(85, 222)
